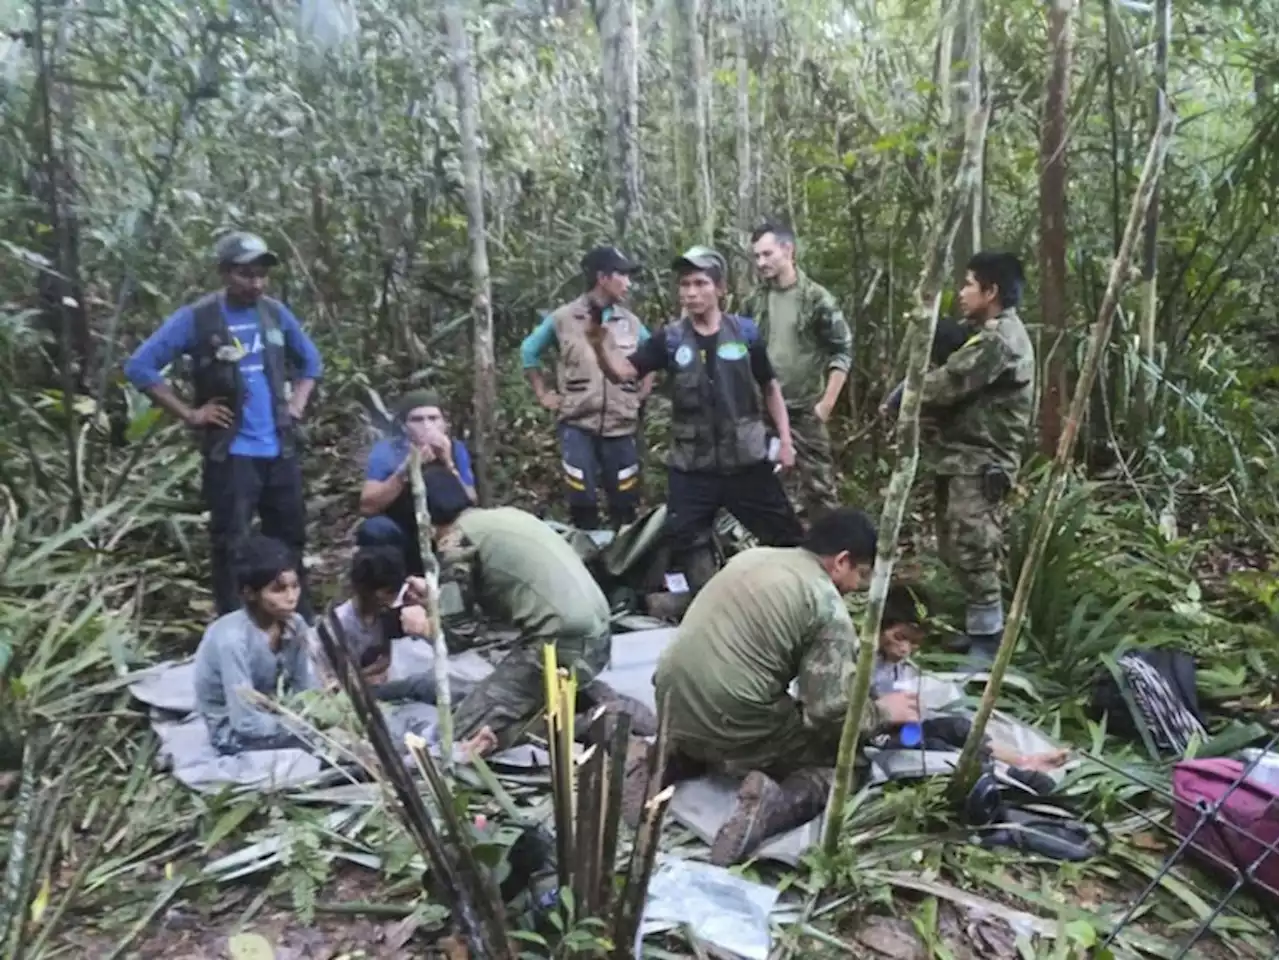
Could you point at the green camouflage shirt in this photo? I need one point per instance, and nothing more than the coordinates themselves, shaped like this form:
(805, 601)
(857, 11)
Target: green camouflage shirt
(978, 404)
(802, 353)
(771, 616)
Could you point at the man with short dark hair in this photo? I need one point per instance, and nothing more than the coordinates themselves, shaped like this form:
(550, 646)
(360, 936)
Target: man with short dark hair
(244, 347)
(723, 382)
(976, 415)
(597, 418)
(771, 617)
(386, 499)
(811, 349)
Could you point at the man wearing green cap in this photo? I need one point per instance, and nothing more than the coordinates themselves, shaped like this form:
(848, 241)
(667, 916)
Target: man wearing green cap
(386, 499)
(598, 419)
(245, 347)
(722, 384)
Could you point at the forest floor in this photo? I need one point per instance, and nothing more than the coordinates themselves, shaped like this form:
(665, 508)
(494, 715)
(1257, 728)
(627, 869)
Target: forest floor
(147, 896)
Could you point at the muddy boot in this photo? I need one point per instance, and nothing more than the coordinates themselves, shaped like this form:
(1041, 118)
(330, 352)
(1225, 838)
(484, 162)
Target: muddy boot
(644, 722)
(766, 808)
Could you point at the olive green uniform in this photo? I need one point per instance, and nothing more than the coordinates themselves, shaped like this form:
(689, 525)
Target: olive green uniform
(771, 616)
(522, 572)
(807, 338)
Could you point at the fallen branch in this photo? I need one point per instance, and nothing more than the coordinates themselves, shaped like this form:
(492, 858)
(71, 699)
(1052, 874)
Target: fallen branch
(967, 767)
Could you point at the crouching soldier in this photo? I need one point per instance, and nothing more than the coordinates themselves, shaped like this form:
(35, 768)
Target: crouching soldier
(770, 617)
(518, 570)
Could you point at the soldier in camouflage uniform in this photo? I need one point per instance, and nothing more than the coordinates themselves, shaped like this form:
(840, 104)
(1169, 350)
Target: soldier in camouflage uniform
(771, 616)
(976, 415)
(812, 350)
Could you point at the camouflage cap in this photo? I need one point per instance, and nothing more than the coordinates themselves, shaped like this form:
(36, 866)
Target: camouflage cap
(701, 258)
(242, 248)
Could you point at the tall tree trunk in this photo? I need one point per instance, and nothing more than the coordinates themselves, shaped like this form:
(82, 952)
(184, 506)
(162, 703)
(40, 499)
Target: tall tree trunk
(966, 91)
(1054, 311)
(468, 93)
(745, 184)
(616, 23)
(1151, 234)
(695, 84)
(967, 767)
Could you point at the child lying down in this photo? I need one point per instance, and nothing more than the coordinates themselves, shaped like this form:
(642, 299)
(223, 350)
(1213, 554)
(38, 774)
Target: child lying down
(263, 648)
(901, 633)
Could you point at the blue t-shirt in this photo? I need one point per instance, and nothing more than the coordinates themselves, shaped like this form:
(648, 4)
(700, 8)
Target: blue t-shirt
(177, 336)
(388, 453)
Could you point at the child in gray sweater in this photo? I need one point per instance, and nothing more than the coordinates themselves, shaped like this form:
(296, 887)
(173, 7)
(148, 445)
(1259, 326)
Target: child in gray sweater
(262, 646)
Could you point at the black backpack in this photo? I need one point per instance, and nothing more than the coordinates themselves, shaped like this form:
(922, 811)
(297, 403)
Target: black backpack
(1149, 697)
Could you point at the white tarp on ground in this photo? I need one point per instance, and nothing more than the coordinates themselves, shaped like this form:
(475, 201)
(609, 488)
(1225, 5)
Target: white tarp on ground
(702, 804)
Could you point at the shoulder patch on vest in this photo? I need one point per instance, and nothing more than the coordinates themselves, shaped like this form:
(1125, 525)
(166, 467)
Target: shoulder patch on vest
(684, 355)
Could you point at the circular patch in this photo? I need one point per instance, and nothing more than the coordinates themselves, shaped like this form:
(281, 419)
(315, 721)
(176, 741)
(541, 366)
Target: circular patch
(684, 356)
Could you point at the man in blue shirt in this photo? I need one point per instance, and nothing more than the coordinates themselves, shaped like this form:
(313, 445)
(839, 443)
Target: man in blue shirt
(244, 347)
(387, 496)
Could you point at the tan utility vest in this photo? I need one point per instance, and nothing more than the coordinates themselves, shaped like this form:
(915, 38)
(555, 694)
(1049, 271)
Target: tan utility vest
(588, 400)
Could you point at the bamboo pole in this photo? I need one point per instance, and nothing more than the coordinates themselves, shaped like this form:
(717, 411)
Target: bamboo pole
(928, 299)
(431, 573)
(967, 768)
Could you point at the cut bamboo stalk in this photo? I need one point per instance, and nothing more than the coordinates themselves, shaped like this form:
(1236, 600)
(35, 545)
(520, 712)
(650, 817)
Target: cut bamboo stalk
(967, 767)
(586, 833)
(611, 793)
(643, 855)
(431, 573)
(460, 880)
(928, 299)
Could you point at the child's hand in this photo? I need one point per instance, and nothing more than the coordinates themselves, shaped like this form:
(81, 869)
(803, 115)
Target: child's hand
(898, 708)
(415, 621)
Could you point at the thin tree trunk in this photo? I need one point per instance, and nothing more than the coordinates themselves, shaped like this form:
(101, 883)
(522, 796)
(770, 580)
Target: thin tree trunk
(616, 23)
(468, 93)
(745, 192)
(967, 767)
(1054, 311)
(1151, 234)
(627, 203)
(695, 84)
(966, 90)
(933, 275)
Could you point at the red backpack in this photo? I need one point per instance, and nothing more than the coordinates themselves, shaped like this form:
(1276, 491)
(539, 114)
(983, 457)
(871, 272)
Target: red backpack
(1242, 832)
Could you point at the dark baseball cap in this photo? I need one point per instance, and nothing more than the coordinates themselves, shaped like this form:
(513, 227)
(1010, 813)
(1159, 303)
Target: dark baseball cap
(607, 260)
(243, 248)
(701, 258)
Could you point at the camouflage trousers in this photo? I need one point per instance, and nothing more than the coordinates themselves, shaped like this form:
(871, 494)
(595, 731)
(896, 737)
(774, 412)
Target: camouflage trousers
(507, 699)
(812, 484)
(970, 535)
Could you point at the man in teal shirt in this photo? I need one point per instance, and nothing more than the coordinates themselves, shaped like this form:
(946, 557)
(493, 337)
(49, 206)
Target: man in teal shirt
(598, 419)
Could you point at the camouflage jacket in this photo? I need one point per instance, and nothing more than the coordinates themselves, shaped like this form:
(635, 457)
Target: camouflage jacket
(802, 356)
(978, 404)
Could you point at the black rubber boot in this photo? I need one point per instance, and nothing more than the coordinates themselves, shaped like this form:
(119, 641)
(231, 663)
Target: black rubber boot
(982, 649)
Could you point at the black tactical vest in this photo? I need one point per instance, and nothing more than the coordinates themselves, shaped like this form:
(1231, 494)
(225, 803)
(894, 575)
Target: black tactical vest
(216, 377)
(716, 425)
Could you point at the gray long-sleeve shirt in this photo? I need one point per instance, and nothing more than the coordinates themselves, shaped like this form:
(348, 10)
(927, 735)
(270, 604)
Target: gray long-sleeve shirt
(234, 655)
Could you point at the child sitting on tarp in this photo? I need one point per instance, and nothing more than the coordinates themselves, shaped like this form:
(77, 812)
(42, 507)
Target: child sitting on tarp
(260, 647)
(384, 605)
(901, 632)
